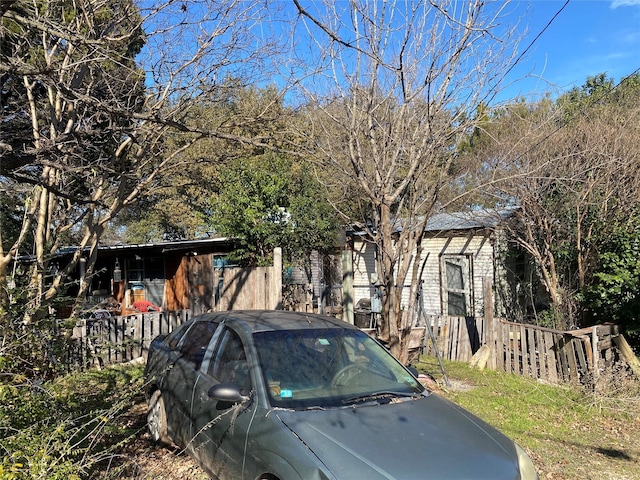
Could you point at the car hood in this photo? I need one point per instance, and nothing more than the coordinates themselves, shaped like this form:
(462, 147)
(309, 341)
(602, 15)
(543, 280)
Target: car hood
(428, 437)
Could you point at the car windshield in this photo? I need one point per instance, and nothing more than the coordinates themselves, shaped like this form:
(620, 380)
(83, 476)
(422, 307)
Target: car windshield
(326, 368)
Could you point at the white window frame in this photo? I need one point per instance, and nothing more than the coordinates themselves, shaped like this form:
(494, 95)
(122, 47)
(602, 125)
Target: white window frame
(465, 262)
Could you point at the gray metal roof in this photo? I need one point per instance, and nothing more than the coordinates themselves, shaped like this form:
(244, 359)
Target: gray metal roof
(448, 222)
(171, 245)
(472, 220)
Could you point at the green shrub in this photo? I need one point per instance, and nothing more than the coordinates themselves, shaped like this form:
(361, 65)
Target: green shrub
(37, 349)
(62, 429)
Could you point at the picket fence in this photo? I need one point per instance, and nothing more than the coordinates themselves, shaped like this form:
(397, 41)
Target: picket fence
(104, 339)
(552, 355)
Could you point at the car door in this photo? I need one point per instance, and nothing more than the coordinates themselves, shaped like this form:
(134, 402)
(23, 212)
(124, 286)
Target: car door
(182, 372)
(219, 428)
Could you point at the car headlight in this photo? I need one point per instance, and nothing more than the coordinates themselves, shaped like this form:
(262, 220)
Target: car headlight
(527, 470)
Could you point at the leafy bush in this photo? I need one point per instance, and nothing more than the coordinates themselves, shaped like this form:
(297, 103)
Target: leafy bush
(63, 429)
(36, 349)
(614, 294)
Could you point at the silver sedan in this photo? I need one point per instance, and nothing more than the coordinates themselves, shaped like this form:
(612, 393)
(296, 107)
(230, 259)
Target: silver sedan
(281, 395)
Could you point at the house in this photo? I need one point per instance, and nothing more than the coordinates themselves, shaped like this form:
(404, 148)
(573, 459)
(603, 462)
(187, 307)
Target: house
(193, 275)
(174, 276)
(462, 254)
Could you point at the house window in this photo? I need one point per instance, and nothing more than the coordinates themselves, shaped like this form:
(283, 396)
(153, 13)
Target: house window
(145, 279)
(135, 270)
(457, 284)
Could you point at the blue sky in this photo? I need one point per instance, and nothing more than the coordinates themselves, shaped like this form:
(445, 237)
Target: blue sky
(586, 38)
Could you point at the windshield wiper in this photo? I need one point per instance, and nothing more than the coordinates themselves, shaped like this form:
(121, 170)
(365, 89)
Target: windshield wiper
(369, 397)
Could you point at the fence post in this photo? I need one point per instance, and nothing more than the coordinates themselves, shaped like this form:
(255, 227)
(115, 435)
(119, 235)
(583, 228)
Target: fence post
(594, 354)
(627, 353)
(275, 286)
(489, 337)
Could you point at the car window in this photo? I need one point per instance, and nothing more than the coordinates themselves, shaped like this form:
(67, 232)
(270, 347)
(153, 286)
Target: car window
(174, 337)
(230, 362)
(327, 367)
(196, 341)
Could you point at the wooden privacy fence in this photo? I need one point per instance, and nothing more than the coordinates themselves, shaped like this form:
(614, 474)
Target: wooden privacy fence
(256, 288)
(552, 355)
(105, 340)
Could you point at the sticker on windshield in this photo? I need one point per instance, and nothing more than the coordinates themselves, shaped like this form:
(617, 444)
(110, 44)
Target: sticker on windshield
(284, 393)
(323, 341)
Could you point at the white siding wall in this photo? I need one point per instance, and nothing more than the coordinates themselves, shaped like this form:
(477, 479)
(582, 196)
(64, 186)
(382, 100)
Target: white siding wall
(364, 264)
(480, 250)
(476, 245)
(299, 275)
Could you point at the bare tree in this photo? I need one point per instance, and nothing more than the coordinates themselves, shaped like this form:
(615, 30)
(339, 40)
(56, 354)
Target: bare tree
(395, 85)
(571, 168)
(91, 90)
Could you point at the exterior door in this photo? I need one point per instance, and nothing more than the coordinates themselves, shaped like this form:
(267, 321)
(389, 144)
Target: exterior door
(457, 291)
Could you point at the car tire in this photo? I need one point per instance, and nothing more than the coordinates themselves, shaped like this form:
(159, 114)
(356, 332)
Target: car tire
(157, 419)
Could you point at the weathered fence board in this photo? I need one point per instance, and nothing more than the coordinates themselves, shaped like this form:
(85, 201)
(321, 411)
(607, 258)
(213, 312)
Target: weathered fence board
(105, 340)
(552, 370)
(551, 355)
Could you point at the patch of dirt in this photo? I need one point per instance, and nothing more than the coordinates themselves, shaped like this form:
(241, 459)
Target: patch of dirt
(149, 461)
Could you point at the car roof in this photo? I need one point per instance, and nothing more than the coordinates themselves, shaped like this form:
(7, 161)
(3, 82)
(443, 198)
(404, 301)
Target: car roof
(271, 320)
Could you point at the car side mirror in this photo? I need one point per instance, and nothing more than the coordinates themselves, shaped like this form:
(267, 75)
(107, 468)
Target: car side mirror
(227, 392)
